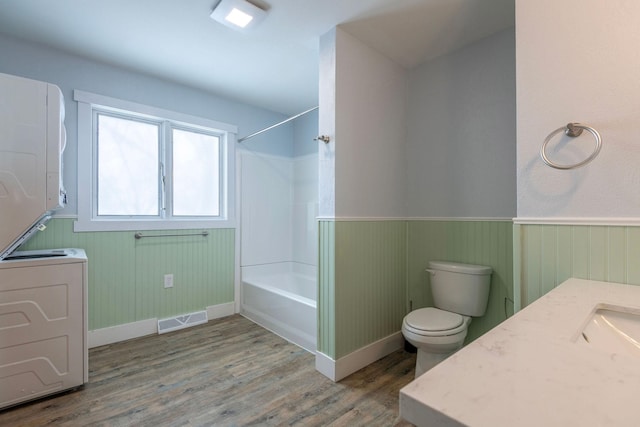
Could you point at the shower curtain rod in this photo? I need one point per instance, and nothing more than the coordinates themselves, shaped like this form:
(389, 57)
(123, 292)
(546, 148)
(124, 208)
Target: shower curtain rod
(277, 124)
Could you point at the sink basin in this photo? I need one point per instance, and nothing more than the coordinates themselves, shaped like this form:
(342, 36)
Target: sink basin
(613, 329)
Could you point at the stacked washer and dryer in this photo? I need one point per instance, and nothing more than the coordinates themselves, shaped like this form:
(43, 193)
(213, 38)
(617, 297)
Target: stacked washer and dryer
(43, 294)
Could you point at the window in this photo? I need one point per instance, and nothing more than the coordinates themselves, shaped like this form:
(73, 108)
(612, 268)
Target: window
(142, 168)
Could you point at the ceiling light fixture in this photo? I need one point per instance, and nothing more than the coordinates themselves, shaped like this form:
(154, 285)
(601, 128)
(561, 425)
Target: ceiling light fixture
(238, 14)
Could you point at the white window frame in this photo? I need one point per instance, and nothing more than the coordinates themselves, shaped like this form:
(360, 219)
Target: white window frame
(88, 219)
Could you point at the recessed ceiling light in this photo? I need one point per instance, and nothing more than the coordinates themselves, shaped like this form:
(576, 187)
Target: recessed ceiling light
(238, 14)
(239, 18)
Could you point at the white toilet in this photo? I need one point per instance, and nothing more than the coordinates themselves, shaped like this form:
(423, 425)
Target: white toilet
(459, 292)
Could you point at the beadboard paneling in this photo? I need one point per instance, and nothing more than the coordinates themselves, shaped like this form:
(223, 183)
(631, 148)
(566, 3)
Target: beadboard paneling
(201, 267)
(362, 285)
(326, 289)
(370, 282)
(550, 254)
(126, 275)
(371, 270)
(471, 242)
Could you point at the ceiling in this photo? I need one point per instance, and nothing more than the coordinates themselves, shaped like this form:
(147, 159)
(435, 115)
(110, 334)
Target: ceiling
(275, 65)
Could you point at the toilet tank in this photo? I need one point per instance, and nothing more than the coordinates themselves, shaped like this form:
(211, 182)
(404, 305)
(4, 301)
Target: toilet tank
(460, 288)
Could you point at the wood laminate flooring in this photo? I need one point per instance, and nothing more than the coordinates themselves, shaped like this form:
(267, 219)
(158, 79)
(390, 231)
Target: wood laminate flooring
(228, 372)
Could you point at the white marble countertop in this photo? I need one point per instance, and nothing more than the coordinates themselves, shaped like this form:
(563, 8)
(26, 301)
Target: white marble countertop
(533, 370)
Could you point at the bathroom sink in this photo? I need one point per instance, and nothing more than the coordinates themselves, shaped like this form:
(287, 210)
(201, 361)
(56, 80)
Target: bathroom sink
(613, 329)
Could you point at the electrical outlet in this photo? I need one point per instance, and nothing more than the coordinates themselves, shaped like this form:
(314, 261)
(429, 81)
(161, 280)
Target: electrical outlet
(168, 281)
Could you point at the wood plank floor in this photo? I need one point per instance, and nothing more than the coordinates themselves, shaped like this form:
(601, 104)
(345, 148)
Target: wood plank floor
(228, 372)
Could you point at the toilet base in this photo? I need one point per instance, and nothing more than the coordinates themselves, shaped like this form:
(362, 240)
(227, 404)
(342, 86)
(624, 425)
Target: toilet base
(426, 360)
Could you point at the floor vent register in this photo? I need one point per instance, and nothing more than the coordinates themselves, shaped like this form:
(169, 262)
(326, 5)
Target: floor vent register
(182, 321)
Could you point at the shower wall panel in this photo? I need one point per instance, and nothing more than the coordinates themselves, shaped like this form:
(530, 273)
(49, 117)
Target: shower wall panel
(279, 204)
(266, 197)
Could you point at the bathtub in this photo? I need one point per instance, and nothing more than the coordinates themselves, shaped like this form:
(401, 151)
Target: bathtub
(281, 297)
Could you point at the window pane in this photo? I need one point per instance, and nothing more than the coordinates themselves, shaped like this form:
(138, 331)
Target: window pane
(127, 167)
(196, 177)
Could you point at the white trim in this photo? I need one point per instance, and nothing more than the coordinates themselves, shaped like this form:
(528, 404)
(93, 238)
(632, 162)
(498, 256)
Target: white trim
(84, 162)
(174, 224)
(237, 286)
(619, 222)
(113, 334)
(65, 216)
(127, 331)
(336, 370)
(517, 268)
(326, 365)
(355, 219)
(449, 219)
(221, 310)
(462, 219)
(87, 222)
(106, 101)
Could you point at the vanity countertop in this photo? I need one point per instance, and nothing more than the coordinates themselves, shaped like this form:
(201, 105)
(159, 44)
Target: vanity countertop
(534, 370)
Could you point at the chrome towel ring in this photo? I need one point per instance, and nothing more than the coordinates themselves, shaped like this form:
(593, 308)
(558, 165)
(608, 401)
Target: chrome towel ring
(573, 130)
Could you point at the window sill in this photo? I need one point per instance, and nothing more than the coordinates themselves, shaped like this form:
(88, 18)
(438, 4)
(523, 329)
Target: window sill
(145, 225)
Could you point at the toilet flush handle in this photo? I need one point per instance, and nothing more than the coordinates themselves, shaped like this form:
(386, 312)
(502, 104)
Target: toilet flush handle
(432, 272)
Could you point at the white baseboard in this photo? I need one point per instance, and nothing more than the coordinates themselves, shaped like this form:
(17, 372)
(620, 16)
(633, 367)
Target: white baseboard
(336, 370)
(104, 336)
(221, 310)
(113, 334)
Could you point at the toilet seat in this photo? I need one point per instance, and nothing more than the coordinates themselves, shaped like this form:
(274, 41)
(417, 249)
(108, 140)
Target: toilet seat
(433, 322)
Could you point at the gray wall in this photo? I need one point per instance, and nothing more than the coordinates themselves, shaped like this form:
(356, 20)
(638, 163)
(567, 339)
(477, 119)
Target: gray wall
(597, 84)
(461, 147)
(72, 72)
(305, 128)
(370, 132)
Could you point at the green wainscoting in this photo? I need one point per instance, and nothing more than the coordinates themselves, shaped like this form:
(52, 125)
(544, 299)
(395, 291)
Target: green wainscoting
(471, 242)
(126, 274)
(326, 302)
(366, 300)
(370, 260)
(371, 271)
(550, 254)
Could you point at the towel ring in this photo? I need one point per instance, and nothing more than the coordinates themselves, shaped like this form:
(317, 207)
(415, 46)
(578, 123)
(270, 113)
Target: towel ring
(573, 130)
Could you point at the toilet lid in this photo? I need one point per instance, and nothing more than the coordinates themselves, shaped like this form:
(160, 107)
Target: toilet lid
(433, 319)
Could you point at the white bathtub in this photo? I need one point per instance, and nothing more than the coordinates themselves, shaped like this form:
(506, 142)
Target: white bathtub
(281, 297)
